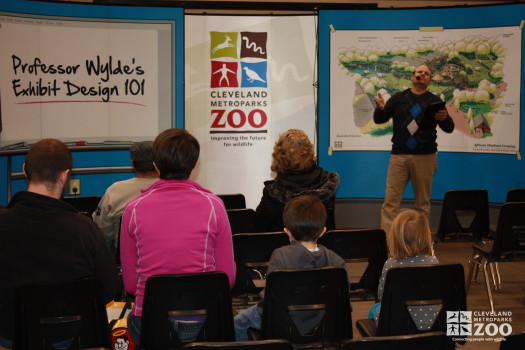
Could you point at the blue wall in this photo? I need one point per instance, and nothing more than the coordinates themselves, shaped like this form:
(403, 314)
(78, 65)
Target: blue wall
(363, 173)
(97, 184)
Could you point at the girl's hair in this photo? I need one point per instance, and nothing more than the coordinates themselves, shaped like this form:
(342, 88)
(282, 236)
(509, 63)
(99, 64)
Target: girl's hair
(293, 153)
(409, 235)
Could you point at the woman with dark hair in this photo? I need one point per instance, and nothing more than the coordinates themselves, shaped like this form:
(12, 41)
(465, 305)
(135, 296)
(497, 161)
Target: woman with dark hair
(297, 174)
(175, 226)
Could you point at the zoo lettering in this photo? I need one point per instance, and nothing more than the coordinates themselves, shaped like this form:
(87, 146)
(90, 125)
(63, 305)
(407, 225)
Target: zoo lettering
(99, 68)
(237, 118)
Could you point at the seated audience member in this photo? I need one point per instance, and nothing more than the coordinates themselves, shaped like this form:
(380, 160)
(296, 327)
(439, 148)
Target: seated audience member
(304, 220)
(111, 206)
(174, 226)
(297, 174)
(409, 243)
(44, 240)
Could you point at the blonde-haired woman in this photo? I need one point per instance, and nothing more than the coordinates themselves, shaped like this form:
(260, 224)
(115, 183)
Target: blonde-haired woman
(297, 174)
(409, 243)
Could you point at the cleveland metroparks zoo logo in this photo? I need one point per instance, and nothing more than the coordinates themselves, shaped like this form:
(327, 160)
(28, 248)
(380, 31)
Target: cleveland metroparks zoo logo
(238, 59)
(485, 325)
(239, 94)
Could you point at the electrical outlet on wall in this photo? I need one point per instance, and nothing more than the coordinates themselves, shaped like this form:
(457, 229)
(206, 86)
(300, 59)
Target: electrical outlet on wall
(74, 187)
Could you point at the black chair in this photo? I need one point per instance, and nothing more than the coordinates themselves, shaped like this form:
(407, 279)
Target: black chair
(72, 314)
(464, 213)
(233, 201)
(407, 287)
(505, 247)
(357, 246)
(252, 253)
(206, 294)
(426, 341)
(123, 295)
(306, 307)
(84, 204)
(272, 344)
(515, 341)
(241, 220)
(515, 195)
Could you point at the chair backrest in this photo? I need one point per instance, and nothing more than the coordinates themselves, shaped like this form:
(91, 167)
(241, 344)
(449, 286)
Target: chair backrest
(72, 314)
(271, 344)
(307, 306)
(206, 293)
(515, 341)
(84, 204)
(511, 223)
(472, 205)
(241, 220)
(330, 218)
(253, 250)
(409, 287)
(515, 195)
(117, 241)
(233, 201)
(366, 245)
(426, 341)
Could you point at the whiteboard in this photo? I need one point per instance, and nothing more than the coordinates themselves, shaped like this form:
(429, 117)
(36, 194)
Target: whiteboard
(62, 77)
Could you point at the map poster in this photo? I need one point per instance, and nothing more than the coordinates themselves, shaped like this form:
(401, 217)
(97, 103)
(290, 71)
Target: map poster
(475, 71)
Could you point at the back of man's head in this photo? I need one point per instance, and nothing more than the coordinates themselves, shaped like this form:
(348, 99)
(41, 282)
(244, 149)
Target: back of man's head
(175, 153)
(305, 217)
(45, 161)
(142, 156)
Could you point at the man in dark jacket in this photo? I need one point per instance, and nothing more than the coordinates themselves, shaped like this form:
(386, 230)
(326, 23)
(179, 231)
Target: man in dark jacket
(44, 240)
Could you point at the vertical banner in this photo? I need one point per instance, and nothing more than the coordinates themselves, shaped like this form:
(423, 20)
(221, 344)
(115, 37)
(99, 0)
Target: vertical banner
(248, 79)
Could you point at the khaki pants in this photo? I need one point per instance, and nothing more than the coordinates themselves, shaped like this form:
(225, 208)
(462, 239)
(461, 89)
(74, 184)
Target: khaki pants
(420, 169)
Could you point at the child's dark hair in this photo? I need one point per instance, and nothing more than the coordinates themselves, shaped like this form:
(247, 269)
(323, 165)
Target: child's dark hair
(305, 217)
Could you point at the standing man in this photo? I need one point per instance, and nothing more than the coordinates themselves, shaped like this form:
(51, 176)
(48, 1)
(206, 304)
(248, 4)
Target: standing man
(414, 144)
(111, 206)
(44, 240)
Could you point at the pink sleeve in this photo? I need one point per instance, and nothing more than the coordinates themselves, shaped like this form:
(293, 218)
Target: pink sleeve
(128, 251)
(224, 259)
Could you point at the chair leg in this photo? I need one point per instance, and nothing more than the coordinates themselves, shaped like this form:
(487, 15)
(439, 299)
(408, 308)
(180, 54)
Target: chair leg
(477, 258)
(474, 264)
(498, 277)
(493, 275)
(487, 283)
(478, 270)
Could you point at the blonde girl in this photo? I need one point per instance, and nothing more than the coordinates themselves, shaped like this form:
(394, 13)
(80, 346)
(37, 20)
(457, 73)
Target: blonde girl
(409, 243)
